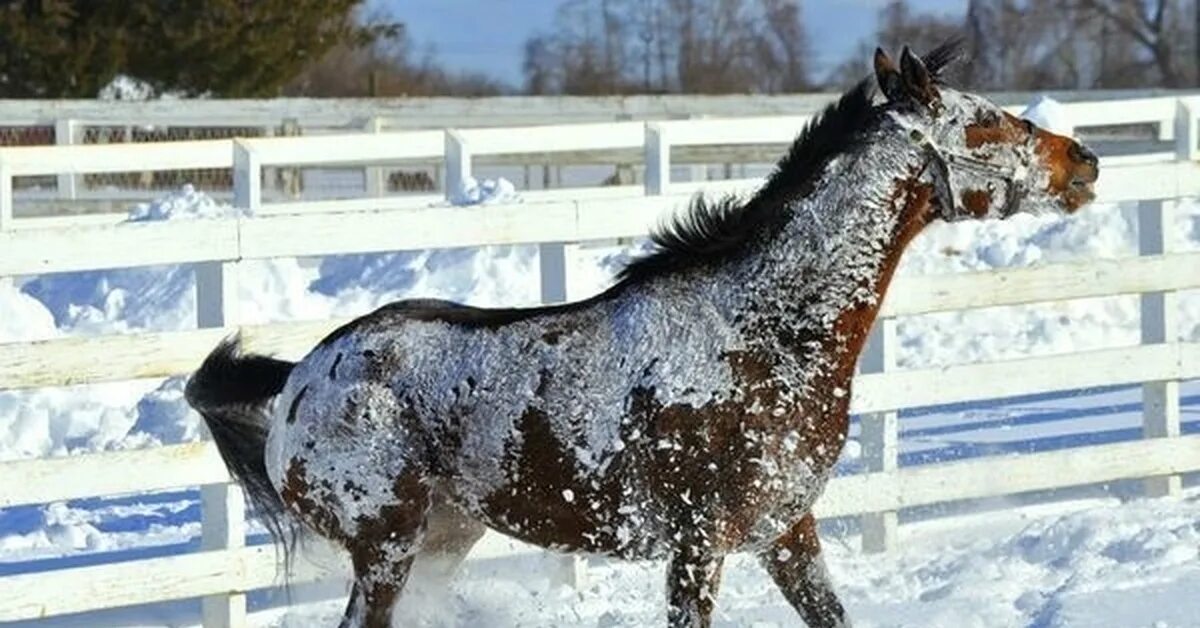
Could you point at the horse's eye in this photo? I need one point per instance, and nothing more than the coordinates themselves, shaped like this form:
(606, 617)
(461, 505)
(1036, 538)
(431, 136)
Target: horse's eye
(1029, 127)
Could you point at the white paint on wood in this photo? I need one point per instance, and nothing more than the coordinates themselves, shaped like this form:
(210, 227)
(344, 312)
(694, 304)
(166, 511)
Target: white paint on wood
(247, 177)
(142, 156)
(348, 148)
(968, 382)
(879, 435)
(223, 514)
(1053, 282)
(556, 138)
(1159, 319)
(1007, 475)
(70, 361)
(657, 159)
(96, 247)
(48, 593)
(349, 205)
(1187, 129)
(733, 131)
(552, 264)
(67, 132)
(6, 200)
(457, 161)
(48, 480)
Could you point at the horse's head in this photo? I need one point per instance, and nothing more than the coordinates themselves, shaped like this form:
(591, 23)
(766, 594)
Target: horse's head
(982, 161)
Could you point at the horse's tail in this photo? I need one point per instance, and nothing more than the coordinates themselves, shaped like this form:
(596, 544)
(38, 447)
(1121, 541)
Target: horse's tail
(231, 391)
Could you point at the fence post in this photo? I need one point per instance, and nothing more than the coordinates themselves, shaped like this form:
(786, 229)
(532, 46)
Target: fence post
(879, 436)
(375, 177)
(292, 179)
(67, 132)
(6, 195)
(1160, 400)
(657, 151)
(1187, 129)
(6, 206)
(552, 263)
(247, 178)
(222, 506)
(457, 161)
(1160, 310)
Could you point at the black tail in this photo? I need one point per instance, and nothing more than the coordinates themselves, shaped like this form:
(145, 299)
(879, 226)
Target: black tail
(231, 391)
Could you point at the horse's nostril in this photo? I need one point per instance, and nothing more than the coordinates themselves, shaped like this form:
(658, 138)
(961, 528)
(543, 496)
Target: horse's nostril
(1079, 152)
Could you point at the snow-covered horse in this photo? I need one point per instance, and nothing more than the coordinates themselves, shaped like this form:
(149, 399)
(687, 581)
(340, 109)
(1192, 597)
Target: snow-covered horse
(694, 409)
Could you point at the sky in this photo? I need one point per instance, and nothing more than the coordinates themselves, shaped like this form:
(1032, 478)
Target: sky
(488, 35)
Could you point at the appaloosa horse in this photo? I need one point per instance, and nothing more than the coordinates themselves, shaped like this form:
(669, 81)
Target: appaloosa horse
(694, 409)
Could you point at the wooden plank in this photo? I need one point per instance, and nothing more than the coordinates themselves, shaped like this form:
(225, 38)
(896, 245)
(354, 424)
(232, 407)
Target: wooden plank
(347, 148)
(1147, 182)
(94, 247)
(89, 359)
(46, 480)
(922, 294)
(39, 595)
(755, 130)
(657, 158)
(445, 111)
(1006, 475)
(134, 157)
(436, 227)
(385, 203)
(556, 138)
(1116, 112)
(1105, 367)
(70, 361)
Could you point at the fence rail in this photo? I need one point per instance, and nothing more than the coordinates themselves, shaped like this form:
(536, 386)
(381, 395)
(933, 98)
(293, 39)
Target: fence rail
(556, 220)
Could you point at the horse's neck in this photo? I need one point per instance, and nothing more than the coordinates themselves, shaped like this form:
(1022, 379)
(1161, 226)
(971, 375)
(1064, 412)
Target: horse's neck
(813, 288)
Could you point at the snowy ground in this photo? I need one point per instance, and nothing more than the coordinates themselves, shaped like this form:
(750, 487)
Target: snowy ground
(1080, 563)
(1094, 562)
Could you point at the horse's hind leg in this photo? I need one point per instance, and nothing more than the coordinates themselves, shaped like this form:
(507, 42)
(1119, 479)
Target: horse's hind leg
(794, 561)
(693, 578)
(450, 534)
(382, 551)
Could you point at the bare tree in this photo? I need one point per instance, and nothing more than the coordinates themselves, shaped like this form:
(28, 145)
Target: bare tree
(1039, 44)
(708, 46)
(1157, 25)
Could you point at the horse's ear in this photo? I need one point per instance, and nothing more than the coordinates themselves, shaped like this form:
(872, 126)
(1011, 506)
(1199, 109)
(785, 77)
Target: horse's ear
(917, 80)
(888, 76)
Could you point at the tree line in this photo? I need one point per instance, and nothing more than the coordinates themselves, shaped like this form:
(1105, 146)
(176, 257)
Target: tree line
(238, 48)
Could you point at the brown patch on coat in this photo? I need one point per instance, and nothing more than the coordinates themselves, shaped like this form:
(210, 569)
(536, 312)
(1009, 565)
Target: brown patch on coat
(853, 326)
(991, 129)
(297, 494)
(977, 202)
(532, 505)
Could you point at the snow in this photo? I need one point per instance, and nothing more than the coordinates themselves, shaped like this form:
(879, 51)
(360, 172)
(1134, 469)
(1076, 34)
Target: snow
(1093, 563)
(1049, 114)
(472, 191)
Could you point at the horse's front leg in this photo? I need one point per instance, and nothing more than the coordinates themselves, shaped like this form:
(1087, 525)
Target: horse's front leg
(794, 561)
(693, 577)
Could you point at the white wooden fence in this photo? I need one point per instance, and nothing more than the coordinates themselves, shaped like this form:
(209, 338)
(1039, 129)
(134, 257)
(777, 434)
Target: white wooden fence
(224, 569)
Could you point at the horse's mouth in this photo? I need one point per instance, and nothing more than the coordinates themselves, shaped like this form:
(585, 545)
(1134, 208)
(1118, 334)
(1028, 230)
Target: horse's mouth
(1081, 190)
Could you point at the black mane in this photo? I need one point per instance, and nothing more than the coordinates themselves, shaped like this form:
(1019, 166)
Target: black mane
(709, 231)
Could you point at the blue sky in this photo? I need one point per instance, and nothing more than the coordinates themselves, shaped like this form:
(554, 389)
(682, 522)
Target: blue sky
(487, 35)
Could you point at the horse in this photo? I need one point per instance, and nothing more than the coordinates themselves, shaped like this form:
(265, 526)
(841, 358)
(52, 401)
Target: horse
(694, 409)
